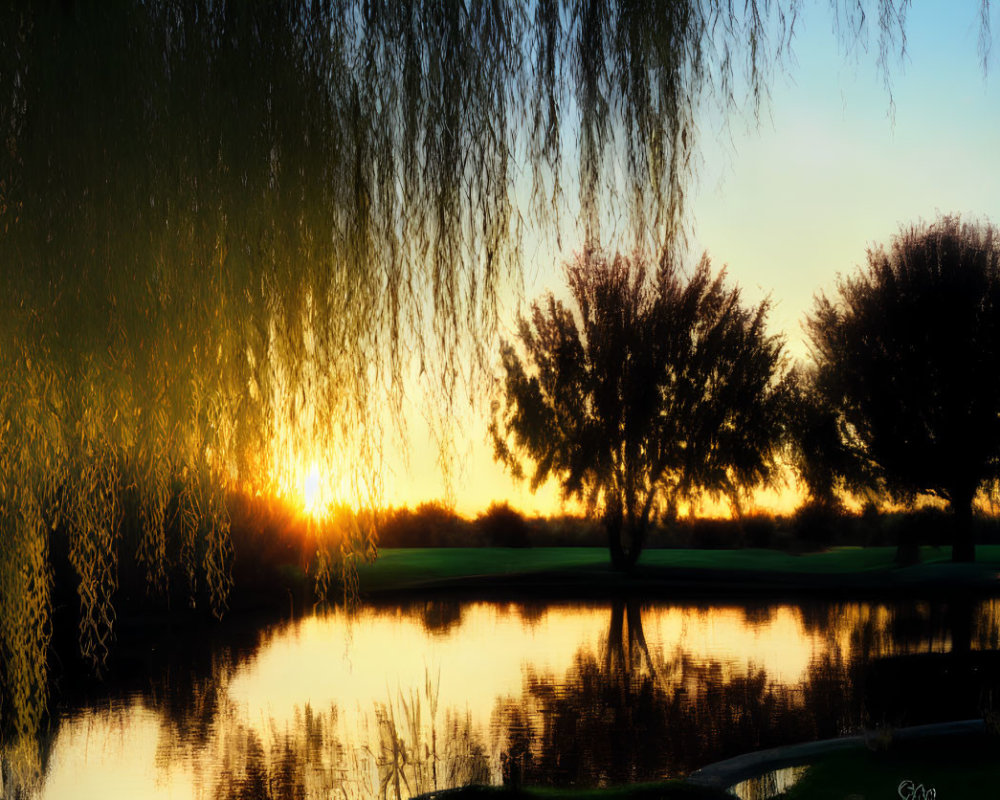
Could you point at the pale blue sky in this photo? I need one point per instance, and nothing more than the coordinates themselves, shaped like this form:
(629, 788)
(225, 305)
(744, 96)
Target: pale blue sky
(828, 172)
(790, 203)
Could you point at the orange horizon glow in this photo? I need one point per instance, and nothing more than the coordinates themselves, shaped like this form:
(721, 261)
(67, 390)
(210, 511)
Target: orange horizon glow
(311, 485)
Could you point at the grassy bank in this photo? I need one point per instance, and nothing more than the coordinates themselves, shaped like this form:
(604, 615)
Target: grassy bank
(411, 570)
(667, 790)
(953, 770)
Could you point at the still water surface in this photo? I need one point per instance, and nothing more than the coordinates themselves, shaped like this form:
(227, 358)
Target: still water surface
(388, 702)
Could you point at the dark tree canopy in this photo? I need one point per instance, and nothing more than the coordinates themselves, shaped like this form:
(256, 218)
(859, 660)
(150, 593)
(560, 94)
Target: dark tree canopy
(906, 357)
(651, 389)
(825, 466)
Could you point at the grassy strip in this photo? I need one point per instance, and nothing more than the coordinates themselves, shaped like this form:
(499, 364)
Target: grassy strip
(960, 769)
(411, 568)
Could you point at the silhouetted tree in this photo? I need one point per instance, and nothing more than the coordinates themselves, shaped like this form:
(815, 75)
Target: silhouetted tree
(906, 357)
(652, 390)
(634, 713)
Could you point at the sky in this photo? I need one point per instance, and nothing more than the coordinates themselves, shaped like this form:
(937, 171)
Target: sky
(790, 201)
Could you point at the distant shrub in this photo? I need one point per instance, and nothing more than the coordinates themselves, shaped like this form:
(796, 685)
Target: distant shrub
(760, 530)
(987, 529)
(931, 526)
(430, 524)
(716, 534)
(873, 528)
(502, 526)
(567, 530)
(703, 533)
(816, 525)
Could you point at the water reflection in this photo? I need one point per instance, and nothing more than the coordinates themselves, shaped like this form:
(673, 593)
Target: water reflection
(440, 616)
(768, 785)
(627, 712)
(390, 702)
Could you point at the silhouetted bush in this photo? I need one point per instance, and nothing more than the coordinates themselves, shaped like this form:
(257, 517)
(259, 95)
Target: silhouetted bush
(816, 525)
(272, 547)
(870, 527)
(502, 526)
(567, 530)
(762, 530)
(716, 534)
(703, 533)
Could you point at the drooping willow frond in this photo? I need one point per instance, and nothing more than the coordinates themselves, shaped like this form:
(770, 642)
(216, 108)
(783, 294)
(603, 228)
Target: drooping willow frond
(229, 229)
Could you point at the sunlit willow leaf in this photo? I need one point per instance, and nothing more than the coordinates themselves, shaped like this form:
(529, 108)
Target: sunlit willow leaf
(650, 389)
(229, 229)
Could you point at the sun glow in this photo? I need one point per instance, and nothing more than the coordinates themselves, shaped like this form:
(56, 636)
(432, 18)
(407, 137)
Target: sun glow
(317, 483)
(311, 494)
(310, 482)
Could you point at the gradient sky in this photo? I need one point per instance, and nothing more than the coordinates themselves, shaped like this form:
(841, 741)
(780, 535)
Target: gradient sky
(792, 202)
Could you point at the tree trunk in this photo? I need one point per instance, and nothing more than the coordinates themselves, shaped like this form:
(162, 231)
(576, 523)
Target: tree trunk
(907, 548)
(614, 657)
(636, 634)
(626, 537)
(636, 534)
(963, 548)
(613, 526)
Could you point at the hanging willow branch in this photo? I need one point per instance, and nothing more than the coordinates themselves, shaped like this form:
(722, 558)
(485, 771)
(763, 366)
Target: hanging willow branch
(228, 230)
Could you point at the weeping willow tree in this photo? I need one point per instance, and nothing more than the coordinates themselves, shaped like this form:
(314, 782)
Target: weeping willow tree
(228, 230)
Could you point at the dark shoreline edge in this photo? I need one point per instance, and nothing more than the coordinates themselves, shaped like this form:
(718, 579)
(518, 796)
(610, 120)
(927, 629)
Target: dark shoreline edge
(726, 774)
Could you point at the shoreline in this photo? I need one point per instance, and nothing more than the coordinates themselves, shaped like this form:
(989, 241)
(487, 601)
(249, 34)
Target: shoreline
(747, 766)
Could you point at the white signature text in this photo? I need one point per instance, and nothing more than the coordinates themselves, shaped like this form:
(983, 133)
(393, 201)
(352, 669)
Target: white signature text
(909, 791)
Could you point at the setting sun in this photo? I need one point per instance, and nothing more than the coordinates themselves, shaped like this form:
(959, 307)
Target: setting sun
(311, 494)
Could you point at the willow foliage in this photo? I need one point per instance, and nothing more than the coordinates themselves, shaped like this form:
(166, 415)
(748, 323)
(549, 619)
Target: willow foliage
(228, 229)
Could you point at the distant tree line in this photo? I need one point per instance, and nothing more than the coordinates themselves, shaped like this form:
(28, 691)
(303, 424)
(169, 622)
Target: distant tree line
(654, 388)
(808, 528)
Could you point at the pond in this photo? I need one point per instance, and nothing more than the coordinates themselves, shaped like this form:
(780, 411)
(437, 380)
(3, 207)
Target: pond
(392, 701)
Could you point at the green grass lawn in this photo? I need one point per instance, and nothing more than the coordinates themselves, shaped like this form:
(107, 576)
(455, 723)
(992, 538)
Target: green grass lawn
(411, 568)
(959, 770)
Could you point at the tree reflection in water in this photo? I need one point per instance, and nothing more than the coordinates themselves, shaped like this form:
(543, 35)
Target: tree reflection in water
(628, 714)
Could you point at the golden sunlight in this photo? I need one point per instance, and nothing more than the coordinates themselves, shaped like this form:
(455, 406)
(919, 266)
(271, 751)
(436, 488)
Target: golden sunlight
(311, 494)
(309, 481)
